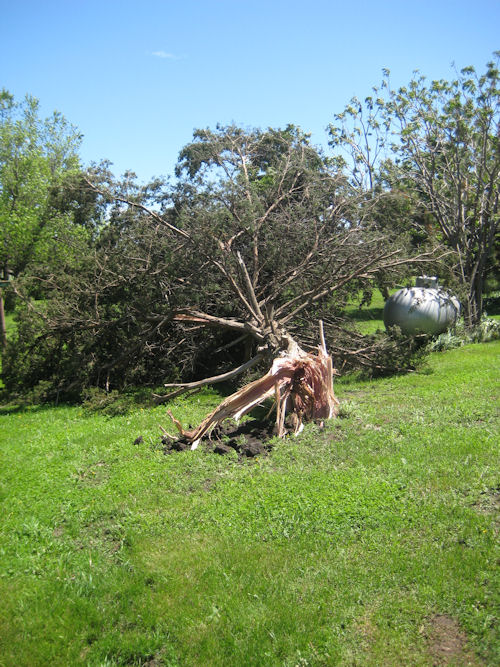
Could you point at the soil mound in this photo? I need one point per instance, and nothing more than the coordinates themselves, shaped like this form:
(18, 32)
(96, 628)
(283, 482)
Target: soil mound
(250, 439)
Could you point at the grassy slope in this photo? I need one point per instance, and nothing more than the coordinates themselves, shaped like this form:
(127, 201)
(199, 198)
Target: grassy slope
(338, 548)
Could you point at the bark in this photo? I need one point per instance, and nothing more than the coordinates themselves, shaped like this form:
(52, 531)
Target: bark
(3, 326)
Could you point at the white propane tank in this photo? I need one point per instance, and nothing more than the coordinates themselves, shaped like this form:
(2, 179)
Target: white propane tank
(423, 309)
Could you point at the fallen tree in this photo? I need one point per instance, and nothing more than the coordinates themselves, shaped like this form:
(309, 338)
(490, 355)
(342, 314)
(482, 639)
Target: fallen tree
(269, 238)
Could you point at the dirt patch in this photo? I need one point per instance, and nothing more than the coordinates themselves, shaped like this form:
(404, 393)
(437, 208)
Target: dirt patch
(366, 630)
(250, 439)
(58, 532)
(489, 502)
(105, 532)
(155, 660)
(448, 643)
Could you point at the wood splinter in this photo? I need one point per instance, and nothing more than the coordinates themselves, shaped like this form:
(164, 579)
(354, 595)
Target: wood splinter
(306, 379)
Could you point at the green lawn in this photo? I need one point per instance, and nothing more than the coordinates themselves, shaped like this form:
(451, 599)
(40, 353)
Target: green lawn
(9, 323)
(371, 542)
(369, 319)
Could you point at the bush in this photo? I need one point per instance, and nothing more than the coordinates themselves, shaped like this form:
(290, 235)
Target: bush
(487, 330)
(491, 304)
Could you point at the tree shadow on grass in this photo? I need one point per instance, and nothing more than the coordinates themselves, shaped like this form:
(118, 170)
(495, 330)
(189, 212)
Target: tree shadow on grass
(20, 408)
(366, 314)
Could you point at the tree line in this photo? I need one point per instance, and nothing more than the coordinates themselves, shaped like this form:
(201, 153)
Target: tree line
(260, 235)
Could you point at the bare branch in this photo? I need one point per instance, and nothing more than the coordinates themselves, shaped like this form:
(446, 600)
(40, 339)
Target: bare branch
(187, 315)
(181, 388)
(250, 290)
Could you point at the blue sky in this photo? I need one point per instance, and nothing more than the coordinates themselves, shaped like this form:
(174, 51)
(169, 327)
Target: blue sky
(136, 77)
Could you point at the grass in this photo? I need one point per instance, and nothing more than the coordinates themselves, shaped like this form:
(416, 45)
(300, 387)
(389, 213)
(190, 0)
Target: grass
(339, 548)
(10, 327)
(369, 319)
(10, 324)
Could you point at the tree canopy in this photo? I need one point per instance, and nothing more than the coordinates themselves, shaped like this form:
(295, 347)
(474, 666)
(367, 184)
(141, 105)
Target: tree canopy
(35, 156)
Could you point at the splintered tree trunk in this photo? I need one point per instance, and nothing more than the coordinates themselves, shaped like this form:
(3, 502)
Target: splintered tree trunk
(300, 383)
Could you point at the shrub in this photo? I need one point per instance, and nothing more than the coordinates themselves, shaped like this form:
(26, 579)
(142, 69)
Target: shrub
(487, 330)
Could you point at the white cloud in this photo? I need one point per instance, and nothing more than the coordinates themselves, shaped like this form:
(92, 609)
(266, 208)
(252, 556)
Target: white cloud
(166, 55)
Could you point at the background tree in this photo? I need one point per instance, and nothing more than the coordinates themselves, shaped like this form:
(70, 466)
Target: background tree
(438, 144)
(35, 155)
(448, 136)
(361, 138)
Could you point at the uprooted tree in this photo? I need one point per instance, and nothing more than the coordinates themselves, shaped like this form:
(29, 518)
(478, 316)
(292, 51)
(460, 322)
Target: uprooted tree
(269, 238)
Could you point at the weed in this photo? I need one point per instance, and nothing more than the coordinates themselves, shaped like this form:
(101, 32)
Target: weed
(110, 403)
(347, 409)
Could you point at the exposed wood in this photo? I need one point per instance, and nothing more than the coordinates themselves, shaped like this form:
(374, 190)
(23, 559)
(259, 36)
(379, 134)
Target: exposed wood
(322, 337)
(304, 378)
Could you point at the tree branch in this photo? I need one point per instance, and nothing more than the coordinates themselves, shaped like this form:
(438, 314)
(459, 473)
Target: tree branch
(181, 388)
(187, 315)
